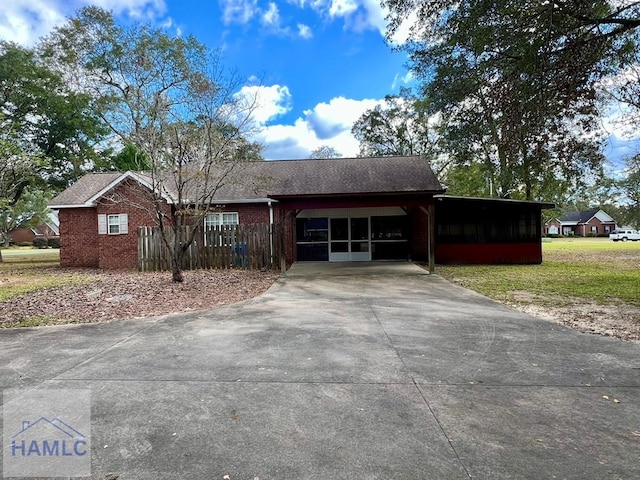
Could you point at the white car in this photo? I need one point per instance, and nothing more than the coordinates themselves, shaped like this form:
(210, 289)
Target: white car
(624, 235)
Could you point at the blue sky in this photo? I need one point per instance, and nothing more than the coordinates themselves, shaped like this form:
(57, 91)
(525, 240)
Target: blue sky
(320, 63)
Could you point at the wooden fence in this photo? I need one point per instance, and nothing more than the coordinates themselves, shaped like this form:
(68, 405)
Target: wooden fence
(256, 246)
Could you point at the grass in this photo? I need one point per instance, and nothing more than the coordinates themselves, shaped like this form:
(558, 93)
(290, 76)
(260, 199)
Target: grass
(26, 270)
(37, 321)
(598, 270)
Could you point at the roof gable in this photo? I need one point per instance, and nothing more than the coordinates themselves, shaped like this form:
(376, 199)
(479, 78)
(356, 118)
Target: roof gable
(90, 188)
(604, 217)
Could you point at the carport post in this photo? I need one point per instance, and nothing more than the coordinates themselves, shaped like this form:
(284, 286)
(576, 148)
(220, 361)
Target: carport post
(431, 237)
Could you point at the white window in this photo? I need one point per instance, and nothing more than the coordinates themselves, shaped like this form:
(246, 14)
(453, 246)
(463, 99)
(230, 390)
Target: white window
(594, 229)
(607, 229)
(113, 224)
(213, 220)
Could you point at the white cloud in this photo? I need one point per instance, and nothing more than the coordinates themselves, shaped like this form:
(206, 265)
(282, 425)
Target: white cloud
(304, 31)
(327, 123)
(342, 8)
(25, 21)
(272, 16)
(271, 101)
(238, 11)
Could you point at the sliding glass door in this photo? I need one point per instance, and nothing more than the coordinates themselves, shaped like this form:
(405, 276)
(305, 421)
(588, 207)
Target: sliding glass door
(349, 239)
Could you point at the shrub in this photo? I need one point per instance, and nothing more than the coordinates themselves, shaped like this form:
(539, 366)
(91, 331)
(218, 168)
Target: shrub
(24, 244)
(54, 242)
(40, 242)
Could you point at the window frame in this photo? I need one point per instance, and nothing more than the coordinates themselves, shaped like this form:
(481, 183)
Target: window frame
(113, 224)
(220, 222)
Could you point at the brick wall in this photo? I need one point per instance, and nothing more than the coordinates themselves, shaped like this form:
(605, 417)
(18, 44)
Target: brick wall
(600, 230)
(248, 213)
(78, 237)
(22, 235)
(287, 219)
(121, 251)
(82, 246)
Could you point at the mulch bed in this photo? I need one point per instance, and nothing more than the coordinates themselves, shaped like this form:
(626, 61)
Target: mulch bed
(117, 295)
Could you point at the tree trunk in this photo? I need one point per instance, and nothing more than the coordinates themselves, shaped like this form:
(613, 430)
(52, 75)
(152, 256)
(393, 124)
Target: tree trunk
(176, 271)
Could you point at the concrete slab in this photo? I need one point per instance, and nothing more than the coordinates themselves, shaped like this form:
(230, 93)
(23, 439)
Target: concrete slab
(370, 372)
(308, 269)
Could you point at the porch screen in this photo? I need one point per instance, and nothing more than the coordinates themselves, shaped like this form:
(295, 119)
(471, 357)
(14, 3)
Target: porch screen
(389, 237)
(312, 239)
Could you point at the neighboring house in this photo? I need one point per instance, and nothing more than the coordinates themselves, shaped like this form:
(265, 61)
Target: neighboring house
(344, 209)
(49, 229)
(592, 222)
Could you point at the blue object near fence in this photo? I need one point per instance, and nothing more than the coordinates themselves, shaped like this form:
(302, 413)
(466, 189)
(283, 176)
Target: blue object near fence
(240, 255)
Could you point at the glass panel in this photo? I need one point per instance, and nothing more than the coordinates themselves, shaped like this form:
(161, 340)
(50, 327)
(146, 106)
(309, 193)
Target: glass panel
(390, 251)
(114, 224)
(339, 229)
(211, 220)
(359, 246)
(339, 247)
(360, 229)
(230, 218)
(390, 228)
(312, 229)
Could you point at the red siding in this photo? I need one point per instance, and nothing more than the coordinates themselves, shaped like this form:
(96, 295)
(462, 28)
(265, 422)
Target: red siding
(419, 234)
(489, 253)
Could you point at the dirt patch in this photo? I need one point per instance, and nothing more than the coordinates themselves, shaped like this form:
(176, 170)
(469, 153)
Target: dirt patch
(613, 320)
(119, 295)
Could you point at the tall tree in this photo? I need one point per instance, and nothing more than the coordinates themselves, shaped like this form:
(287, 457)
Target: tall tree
(515, 81)
(42, 114)
(630, 186)
(29, 211)
(17, 168)
(398, 126)
(171, 99)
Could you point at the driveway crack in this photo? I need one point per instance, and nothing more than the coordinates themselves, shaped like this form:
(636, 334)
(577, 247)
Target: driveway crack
(421, 393)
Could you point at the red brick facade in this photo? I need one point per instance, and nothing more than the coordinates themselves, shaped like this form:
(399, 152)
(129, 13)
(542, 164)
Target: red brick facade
(594, 227)
(78, 237)
(82, 246)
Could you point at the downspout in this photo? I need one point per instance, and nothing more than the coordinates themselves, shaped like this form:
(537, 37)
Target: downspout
(270, 232)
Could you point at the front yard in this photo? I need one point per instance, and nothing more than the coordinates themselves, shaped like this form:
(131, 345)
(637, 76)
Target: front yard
(589, 284)
(34, 290)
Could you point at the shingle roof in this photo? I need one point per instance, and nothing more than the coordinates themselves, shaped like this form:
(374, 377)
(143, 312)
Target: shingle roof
(285, 178)
(85, 188)
(579, 217)
(351, 176)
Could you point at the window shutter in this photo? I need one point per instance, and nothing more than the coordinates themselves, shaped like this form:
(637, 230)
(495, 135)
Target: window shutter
(124, 223)
(102, 224)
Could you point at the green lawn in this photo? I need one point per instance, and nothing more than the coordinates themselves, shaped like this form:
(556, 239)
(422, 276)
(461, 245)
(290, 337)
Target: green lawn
(24, 270)
(595, 269)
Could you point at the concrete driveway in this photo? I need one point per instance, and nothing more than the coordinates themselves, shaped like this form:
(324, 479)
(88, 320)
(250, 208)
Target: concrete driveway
(345, 372)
